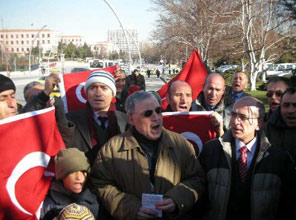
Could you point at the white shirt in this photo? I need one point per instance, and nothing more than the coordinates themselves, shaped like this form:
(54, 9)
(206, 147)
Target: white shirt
(251, 146)
(96, 115)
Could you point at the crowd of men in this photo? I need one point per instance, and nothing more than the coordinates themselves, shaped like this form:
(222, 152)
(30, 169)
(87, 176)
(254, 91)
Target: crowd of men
(122, 151)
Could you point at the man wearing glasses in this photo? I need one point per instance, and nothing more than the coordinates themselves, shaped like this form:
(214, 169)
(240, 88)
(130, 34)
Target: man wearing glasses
(275, 88)
(147, 159)
(247, 178)
(281, 127)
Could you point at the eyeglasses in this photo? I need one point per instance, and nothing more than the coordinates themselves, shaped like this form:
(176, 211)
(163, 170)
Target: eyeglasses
(277, 93)
(240, 117)
(148, 113)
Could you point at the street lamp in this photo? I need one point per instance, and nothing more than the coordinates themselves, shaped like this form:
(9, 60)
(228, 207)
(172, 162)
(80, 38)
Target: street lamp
(124, 32)
(44, 26)
(139, 53)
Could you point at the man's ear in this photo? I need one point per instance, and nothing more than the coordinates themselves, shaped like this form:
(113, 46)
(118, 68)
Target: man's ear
(168, 98)
(260, 123)
(130, 118)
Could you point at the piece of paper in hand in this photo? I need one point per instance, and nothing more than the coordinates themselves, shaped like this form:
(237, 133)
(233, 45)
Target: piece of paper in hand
(149, 201)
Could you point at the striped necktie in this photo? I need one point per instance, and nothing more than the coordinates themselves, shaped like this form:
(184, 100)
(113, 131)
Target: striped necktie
(243, 169)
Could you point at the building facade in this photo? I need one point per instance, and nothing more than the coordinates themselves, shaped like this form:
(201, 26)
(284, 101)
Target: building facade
(117, 37)
(77, 40)
(21, 41)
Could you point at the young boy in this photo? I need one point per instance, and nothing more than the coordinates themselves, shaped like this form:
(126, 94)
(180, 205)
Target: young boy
(72, 168)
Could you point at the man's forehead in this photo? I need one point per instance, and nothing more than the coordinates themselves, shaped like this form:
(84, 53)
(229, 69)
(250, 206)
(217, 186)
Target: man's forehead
(276, 84)
(7, 92)
(291, 98)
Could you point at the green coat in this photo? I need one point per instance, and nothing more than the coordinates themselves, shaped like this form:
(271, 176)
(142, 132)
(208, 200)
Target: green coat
(120, 175)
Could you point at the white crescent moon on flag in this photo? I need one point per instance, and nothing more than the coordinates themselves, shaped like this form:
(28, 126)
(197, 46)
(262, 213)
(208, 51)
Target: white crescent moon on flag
(34, 159)
(78, 92)
(195, 138)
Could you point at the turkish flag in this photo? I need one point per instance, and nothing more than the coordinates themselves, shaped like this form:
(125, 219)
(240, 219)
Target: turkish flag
(196, 127)
(194, 73)
(28, 143)
(72, 88)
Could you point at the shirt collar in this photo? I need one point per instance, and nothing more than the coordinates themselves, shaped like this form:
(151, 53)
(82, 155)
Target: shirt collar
(251, 145)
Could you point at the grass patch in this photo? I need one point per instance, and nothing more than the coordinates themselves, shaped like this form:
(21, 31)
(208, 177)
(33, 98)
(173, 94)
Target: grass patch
(261, 95)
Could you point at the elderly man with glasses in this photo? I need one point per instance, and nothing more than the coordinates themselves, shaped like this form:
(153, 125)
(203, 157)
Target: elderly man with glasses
(147, 159)
(275, 88)
(247, 178)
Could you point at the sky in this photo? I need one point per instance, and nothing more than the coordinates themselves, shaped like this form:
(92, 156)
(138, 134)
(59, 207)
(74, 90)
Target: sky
(88, 18)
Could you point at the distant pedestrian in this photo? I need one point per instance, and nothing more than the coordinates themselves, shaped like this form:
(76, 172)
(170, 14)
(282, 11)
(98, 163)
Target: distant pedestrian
(148, 73)
(157, 73)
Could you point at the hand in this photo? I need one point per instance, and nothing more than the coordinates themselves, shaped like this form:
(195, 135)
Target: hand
(217, 123)
(145, 213)
(166, 205)
(118, 73)
(50, 82)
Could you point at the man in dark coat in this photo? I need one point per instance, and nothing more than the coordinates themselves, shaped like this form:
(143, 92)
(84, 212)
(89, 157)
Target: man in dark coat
(99, 120)
(136, 79)
(281, 127)
(247, 178)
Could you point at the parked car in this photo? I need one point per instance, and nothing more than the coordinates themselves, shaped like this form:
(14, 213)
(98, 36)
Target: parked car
(79, 69)
(280, 69)
(225, 68)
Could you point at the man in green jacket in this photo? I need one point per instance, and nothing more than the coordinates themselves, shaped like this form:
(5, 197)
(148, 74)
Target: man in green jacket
(147, 159)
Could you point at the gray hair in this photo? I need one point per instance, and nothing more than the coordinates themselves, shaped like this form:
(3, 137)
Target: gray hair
(253, 102)
(134, 98)
(31, 85)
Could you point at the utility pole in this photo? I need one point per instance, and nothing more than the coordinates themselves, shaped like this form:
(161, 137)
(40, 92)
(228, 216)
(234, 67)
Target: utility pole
(124, 32)
(44, 26)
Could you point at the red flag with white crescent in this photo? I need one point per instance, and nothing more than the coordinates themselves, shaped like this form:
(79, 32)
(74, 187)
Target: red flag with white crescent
(72, 88)
(28, 145)
(196, 127)
(194, 73)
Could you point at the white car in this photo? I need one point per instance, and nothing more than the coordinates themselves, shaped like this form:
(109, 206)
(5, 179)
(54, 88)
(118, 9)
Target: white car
(280, 69)
(225, 68)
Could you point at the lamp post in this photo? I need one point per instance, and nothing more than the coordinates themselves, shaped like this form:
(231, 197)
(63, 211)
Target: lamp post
(124, 32)
(139, 52)
(44, 26)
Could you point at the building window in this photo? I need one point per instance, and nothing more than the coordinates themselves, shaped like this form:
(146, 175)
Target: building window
(22, 49)
(32, 35)
(27, 49)
(43, 41)
(12, 50)
(22, 42)
(22, 36)
(48, 35)
(43, 35)
(16, 36)
(11, 36)
(28, 35)
(16, 42)
(17, 50)
(27, 42)
(11, 42)
(48, 41)
(1, 36)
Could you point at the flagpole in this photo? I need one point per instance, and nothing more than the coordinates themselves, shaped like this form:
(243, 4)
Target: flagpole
(124, 32)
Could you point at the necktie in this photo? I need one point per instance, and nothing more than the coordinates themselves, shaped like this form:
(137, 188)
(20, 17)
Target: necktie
(243, 169)
(103, 120)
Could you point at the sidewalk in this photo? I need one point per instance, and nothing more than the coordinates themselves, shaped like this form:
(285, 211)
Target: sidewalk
(14, 74)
